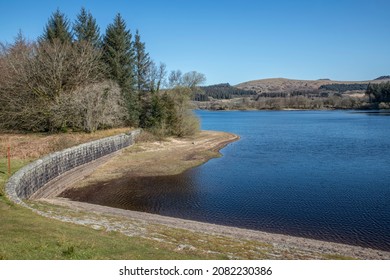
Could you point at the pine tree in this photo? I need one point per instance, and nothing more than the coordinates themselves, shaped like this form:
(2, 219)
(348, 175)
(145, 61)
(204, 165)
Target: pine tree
(142, 64)
(86, 29)
(57, 28)
(118, 54)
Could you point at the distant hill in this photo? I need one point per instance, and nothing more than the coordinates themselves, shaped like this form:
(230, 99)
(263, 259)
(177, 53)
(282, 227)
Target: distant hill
(282, 85)
(383, 78)
(282, 94)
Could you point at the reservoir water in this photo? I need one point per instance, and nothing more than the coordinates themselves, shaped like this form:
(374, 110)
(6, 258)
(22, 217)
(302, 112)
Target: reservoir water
(316, 174)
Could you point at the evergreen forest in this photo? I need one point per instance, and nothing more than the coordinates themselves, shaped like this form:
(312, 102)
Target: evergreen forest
(220, 91)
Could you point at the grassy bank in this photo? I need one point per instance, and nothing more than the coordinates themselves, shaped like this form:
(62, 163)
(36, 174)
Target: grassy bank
(25, 235)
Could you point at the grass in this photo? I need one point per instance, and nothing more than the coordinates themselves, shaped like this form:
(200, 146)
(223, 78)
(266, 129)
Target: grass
(25, 235)
(32, 146)
(182, 242)
(16, 164)
(338, 257)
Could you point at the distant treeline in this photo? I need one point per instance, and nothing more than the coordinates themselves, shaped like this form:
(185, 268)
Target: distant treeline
(378, 93)
(306, 93)
(377, 96)
(292, 102)
(221, 91)
(226, 91)
(343, 87)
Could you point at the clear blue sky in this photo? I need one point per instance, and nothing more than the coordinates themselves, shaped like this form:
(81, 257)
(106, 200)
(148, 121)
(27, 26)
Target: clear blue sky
(237, 41)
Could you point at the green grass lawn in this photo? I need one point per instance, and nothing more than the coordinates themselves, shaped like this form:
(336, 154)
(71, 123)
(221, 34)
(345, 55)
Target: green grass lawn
(25, 235)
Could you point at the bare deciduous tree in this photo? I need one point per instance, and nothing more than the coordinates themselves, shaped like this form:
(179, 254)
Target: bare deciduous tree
(95, 106)
(38, 80)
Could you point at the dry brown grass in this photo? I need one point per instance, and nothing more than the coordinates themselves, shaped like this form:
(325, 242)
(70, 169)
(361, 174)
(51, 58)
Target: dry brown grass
(28, 146)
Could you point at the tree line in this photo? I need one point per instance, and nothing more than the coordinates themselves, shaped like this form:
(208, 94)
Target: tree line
(220, 91)
(300, 102)
(378, 93)
(74, 78)
(344, 87)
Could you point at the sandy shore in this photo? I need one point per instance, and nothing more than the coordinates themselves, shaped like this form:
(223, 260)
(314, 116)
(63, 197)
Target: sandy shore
(173, 156)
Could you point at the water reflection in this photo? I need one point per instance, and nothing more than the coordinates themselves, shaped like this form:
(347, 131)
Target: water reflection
(373, 112)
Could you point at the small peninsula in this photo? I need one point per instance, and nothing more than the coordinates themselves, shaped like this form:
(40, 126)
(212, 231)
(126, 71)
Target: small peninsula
(173, 155)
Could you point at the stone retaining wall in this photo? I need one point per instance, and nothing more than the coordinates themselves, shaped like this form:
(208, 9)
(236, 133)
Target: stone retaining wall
(37, 174)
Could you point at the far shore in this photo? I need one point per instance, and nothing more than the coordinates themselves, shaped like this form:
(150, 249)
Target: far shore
(173, 156)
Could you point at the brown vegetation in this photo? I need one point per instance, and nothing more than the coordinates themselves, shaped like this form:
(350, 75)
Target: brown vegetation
(290, 85)
(32, 146)
(53, 86)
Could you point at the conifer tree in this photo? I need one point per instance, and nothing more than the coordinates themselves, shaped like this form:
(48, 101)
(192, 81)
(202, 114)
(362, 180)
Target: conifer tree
(142, 64)
(57, 28)
(86, 29)
(118, 54)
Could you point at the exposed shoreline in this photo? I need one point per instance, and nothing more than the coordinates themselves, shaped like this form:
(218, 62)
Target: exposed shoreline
(175, 156)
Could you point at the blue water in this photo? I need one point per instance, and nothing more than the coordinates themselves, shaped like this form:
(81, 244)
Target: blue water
(317, 174)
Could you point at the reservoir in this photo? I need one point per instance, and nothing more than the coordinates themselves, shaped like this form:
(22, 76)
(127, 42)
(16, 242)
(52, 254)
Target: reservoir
(316, 174)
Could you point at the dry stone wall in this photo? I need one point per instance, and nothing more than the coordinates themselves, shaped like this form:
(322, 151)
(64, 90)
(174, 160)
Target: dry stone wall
(37, 174)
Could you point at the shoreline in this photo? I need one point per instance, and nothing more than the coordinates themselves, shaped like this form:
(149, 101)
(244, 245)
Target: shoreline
(298, 247)
(176, 156)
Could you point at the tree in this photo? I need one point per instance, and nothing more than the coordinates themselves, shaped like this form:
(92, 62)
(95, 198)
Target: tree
(61, 68)
(95, 106)
(175, 78)
(193, 79)
(58, 28)
(190, 79)
(180, 120)
(153, 108)
(161, 76)
(156, 76)
(142, 64)
(379, 92)
(86, 29)
(38, 80)
(118, 54)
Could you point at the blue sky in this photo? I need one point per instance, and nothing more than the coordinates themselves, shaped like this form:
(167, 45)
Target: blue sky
(237, 41)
